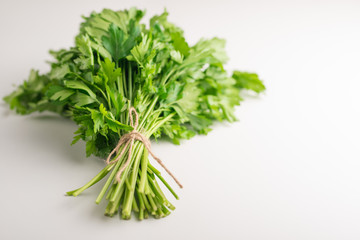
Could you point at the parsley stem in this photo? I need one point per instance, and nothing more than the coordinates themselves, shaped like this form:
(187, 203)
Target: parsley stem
(141, 201)
(159, 124)
(111, 177)
(123, 66)
(126, 171)
(115, 205)
(164, 182)
(149, 110)
(96, 179)
(144, 167)
(146, 214)
(119, 82)
(141, 214)
(130, 81)
(128, 201)
(146, 202)
(134, 204)
(111, 190)
(152, 203)
(152, 186)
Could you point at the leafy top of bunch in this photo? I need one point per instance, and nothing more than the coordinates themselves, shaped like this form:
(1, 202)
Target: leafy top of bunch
(117, 62)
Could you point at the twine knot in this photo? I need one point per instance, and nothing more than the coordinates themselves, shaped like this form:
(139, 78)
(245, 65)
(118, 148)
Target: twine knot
(128, 139)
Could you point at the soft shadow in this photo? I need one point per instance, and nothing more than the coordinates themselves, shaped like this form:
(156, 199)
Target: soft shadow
(5, 110)
(54, 132)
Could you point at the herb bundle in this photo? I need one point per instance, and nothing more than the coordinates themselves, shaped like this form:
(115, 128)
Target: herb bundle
(124, 81)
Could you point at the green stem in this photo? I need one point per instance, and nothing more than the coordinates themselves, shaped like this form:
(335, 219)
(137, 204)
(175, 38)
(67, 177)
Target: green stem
(130, 81)
(128, 201)
(110, 191)
(146, 202)
(163, 81)
(96, 179)
(156, 192)
(164, 182)
(152, 203)
(109, 100)
(159, 124)
(126, 171)
(115, 205)
(144, 167)
(111, 177)
(134, 205)
(141, 214)
(119, 82)
(124, 79)
(149, 110)
(141, 201)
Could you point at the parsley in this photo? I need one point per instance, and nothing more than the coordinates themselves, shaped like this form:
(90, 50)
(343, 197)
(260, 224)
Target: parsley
(117, 63)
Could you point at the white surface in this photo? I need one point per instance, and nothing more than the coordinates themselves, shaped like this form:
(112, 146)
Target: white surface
(288, 170)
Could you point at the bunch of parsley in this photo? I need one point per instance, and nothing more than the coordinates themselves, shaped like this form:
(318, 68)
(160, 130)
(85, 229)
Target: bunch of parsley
(117, 63)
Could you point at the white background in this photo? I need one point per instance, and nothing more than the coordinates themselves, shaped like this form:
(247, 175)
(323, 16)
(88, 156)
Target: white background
(289, 169)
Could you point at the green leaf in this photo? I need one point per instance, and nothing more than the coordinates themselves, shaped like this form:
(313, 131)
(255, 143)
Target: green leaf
(116, 126)
(190, 95)
(90, 147)
(62, 95)
(83, 62)
(101, 50)
(248, 81)
(98, 119)
(118, 18)
(108, 68)
(176, 56)
(103, 119)
(139, 52)
(84, 45)
(113, 43)
(86, 61)
(199, 123)
(80, 86)
(180, 44)
(76, 138)
(81, 99)
(103, 111)
(30, 96)
(173, 92)
(59, 72)
(118, 43)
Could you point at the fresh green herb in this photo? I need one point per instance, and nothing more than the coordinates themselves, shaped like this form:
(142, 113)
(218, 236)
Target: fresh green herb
(117, 63)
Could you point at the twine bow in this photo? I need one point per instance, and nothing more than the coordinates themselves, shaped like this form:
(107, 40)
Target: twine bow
(129, 138)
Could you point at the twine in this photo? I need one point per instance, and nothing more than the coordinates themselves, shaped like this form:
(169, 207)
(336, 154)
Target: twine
(128, 139)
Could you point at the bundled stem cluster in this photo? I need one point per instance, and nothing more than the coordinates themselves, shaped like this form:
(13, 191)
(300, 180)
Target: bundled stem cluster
(138, 189)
